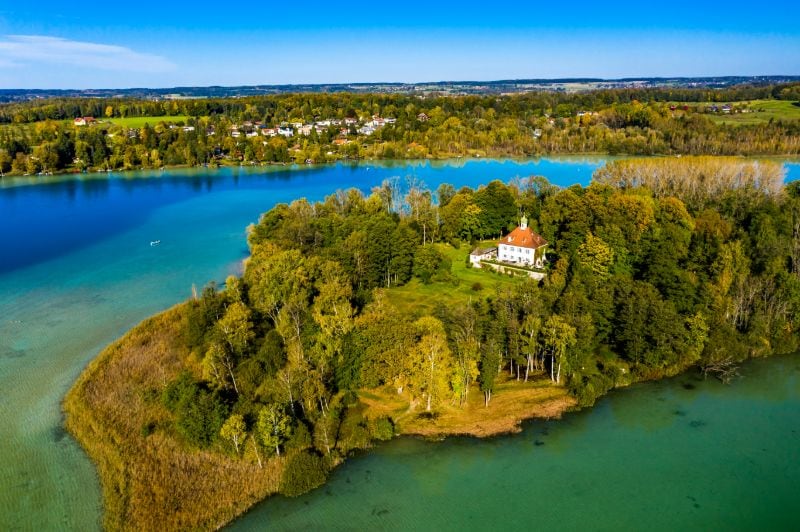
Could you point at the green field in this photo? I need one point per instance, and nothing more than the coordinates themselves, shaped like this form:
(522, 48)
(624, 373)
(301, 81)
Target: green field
(416, 298)
(761, 112)
(140, 121)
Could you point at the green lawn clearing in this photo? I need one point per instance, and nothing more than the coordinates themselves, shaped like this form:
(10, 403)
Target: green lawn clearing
(140, 121)
(760, 111)
(416, 298)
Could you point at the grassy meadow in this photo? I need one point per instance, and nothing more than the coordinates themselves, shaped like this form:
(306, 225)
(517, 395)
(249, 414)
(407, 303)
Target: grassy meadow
(140, 121)
(417, 298)
(761, 112)
(512, 402)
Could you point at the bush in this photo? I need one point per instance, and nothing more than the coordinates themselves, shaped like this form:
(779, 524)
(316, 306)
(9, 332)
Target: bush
(350, 398)
(304, 472)
(300, 438)
(179, 392)
(429, 262)
(200, 421)
(199, 413)
(477, 287)
(382, 429)
(354, 437)
(147, 428)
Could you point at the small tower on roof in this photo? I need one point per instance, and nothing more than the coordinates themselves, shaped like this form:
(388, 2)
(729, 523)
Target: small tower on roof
(523, 223)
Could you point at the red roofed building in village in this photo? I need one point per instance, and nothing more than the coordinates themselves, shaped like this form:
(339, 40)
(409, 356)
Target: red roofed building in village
(522, 246)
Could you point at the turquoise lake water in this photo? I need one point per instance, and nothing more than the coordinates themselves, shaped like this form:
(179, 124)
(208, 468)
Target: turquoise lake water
(77, 270)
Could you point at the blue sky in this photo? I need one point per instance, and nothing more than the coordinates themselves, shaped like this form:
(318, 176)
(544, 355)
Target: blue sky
(59, 44)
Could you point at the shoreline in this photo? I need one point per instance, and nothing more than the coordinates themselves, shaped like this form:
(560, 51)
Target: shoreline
(106, 411)
(89, 418)
(111, 438)
(15, 180)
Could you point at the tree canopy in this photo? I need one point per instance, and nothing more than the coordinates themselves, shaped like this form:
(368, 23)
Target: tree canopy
(644, 280)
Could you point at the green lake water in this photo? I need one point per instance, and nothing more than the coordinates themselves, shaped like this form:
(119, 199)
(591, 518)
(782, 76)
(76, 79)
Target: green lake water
(681, 454)
(77, 270)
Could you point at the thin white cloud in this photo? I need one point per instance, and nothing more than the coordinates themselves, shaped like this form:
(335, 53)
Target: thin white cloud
(21, 50)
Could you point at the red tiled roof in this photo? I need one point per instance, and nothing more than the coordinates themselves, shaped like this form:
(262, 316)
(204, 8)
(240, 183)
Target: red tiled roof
(523, 238)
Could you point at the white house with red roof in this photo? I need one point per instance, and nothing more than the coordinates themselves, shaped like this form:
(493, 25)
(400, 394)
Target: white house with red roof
(522, 246)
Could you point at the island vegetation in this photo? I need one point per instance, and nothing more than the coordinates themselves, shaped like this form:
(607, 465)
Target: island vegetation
(99, 134)
(358, 318)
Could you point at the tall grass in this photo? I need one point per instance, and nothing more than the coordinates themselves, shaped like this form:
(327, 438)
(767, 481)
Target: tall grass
(150, 480)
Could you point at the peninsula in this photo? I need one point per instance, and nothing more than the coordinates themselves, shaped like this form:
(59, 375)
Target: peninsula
(363, 317)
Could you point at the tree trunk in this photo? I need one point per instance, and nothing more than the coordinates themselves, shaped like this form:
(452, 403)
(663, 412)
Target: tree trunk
(558, 375)
(325, 437)
(258, 456)
(230, 371)
(286, 378)
(429, 402)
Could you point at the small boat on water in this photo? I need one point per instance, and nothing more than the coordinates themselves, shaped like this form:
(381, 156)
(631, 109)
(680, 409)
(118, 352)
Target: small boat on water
(154, 242)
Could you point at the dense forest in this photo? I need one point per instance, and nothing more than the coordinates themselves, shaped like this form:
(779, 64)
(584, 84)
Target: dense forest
(39, 136)
(647, 276)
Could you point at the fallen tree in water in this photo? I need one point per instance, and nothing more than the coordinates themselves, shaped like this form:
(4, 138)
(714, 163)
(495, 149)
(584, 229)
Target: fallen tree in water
(725, 370)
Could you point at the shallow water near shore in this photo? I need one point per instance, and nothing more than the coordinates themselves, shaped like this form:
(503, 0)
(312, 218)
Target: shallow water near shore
(77, 270)
(680, 454)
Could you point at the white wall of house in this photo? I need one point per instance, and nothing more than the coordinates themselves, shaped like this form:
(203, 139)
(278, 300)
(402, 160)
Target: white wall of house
(516, 254)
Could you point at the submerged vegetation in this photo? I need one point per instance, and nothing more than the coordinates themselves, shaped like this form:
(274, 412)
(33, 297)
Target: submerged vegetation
(40, 136)
(357, 318)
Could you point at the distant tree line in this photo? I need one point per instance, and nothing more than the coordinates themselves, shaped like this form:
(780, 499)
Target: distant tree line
(311, 105)
(38, 136)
